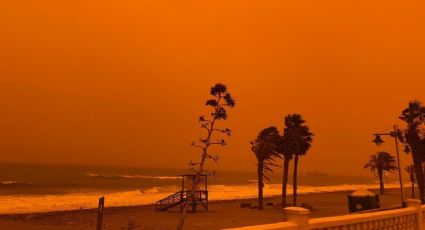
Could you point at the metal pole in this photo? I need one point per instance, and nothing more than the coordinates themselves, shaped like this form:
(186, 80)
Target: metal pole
(399, 166)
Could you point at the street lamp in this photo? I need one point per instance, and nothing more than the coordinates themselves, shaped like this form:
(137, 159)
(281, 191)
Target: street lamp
(378, 141)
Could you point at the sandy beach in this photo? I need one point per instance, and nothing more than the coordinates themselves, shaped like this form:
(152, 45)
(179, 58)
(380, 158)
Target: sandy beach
(222, 214)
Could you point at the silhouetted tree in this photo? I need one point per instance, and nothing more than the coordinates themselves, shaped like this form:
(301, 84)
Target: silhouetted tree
(414, 117)
(264, 148)
(378, 164)
(296, 131)
(220, 101)
(411, 171)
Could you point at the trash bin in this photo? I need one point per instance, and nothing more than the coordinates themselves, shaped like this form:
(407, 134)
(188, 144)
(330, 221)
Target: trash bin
(362, 200)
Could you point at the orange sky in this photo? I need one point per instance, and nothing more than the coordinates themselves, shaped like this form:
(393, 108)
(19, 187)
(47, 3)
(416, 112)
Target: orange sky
(123, 82)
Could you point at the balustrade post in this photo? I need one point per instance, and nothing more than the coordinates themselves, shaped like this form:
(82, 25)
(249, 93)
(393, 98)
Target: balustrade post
(417, 205)
(298, 216)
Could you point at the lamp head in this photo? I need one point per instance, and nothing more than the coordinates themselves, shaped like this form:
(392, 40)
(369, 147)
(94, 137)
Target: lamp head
(378, 140)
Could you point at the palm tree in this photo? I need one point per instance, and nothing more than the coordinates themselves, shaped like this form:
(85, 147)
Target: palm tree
(300, 138)
(378, 164)
(411, 170)
(414, 117)
(287, 147)
(264, 148)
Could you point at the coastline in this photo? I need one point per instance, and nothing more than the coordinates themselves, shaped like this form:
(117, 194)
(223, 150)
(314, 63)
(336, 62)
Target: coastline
(222, 214)
(45, 203)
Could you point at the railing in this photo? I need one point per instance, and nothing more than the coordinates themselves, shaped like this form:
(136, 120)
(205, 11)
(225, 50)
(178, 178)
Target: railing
(394, 219)
(283, 225)
(423, 215)
(178, 198)
(410, 218)
(169, 201)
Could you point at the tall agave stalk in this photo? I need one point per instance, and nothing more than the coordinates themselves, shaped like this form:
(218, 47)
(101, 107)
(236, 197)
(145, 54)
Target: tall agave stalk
(220, 101)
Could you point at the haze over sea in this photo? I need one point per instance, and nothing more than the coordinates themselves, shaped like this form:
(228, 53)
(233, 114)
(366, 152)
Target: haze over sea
(29, 188)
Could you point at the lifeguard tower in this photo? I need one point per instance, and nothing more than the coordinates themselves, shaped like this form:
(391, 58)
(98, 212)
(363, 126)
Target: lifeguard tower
(181, 197)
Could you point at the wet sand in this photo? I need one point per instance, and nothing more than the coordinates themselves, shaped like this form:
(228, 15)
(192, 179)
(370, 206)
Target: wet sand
(221, 214)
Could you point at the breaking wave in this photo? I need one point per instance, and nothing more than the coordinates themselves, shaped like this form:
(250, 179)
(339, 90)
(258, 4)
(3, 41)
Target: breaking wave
(14, 204)
(132, 176)
(14, 183)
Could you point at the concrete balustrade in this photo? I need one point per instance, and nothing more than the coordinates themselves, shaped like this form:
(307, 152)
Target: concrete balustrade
(409, 218)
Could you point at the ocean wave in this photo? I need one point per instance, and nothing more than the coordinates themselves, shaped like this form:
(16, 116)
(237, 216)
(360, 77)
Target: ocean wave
(132, 176)
(14, 183)
(13, 204)
(229, 192)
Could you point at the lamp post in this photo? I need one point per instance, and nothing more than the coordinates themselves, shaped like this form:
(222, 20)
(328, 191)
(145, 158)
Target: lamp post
(378, 141)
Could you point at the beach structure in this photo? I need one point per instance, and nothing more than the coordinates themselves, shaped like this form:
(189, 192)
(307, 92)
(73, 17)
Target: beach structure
(296, 218)
(362, 200)
(181, 197)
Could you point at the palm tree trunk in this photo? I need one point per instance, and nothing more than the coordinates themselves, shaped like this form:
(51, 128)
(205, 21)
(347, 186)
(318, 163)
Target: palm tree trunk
(417, 163)
(285, 180)
(260, 185)
(381, 181)
(294, 183)
(417, 181)
(413, 188)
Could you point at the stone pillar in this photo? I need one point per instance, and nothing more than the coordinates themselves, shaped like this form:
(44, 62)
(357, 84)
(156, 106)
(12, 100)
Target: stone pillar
(412, 203)
(298, 216)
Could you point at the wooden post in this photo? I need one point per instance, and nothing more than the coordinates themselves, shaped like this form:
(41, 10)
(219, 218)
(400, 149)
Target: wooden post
(206, 190)
(206, 194)
(100, 213)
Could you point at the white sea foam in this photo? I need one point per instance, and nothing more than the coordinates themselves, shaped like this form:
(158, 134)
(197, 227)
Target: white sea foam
(151, 177)
(14, 183)
(9, 182)
(13, 204)
(133, 176)
(225, 192)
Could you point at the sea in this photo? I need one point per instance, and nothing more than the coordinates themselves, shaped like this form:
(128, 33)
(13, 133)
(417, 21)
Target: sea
(35, 188)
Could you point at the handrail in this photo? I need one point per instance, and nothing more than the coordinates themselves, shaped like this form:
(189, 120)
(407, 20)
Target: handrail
(169, 197)
(409, 218)
(178, 198)
(282, 225)
(358, 218)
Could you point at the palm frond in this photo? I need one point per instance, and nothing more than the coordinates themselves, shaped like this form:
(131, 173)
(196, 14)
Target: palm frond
(381, 161)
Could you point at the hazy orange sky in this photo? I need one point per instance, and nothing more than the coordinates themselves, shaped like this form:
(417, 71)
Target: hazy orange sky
(123, 82)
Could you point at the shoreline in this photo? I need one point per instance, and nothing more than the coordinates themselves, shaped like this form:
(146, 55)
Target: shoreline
(218, 201)
(221, 214)
(38, 204)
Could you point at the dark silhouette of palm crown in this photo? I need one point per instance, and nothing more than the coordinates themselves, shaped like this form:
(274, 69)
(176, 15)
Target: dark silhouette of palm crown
(297, 136)
(264, 147)
(381, 161)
